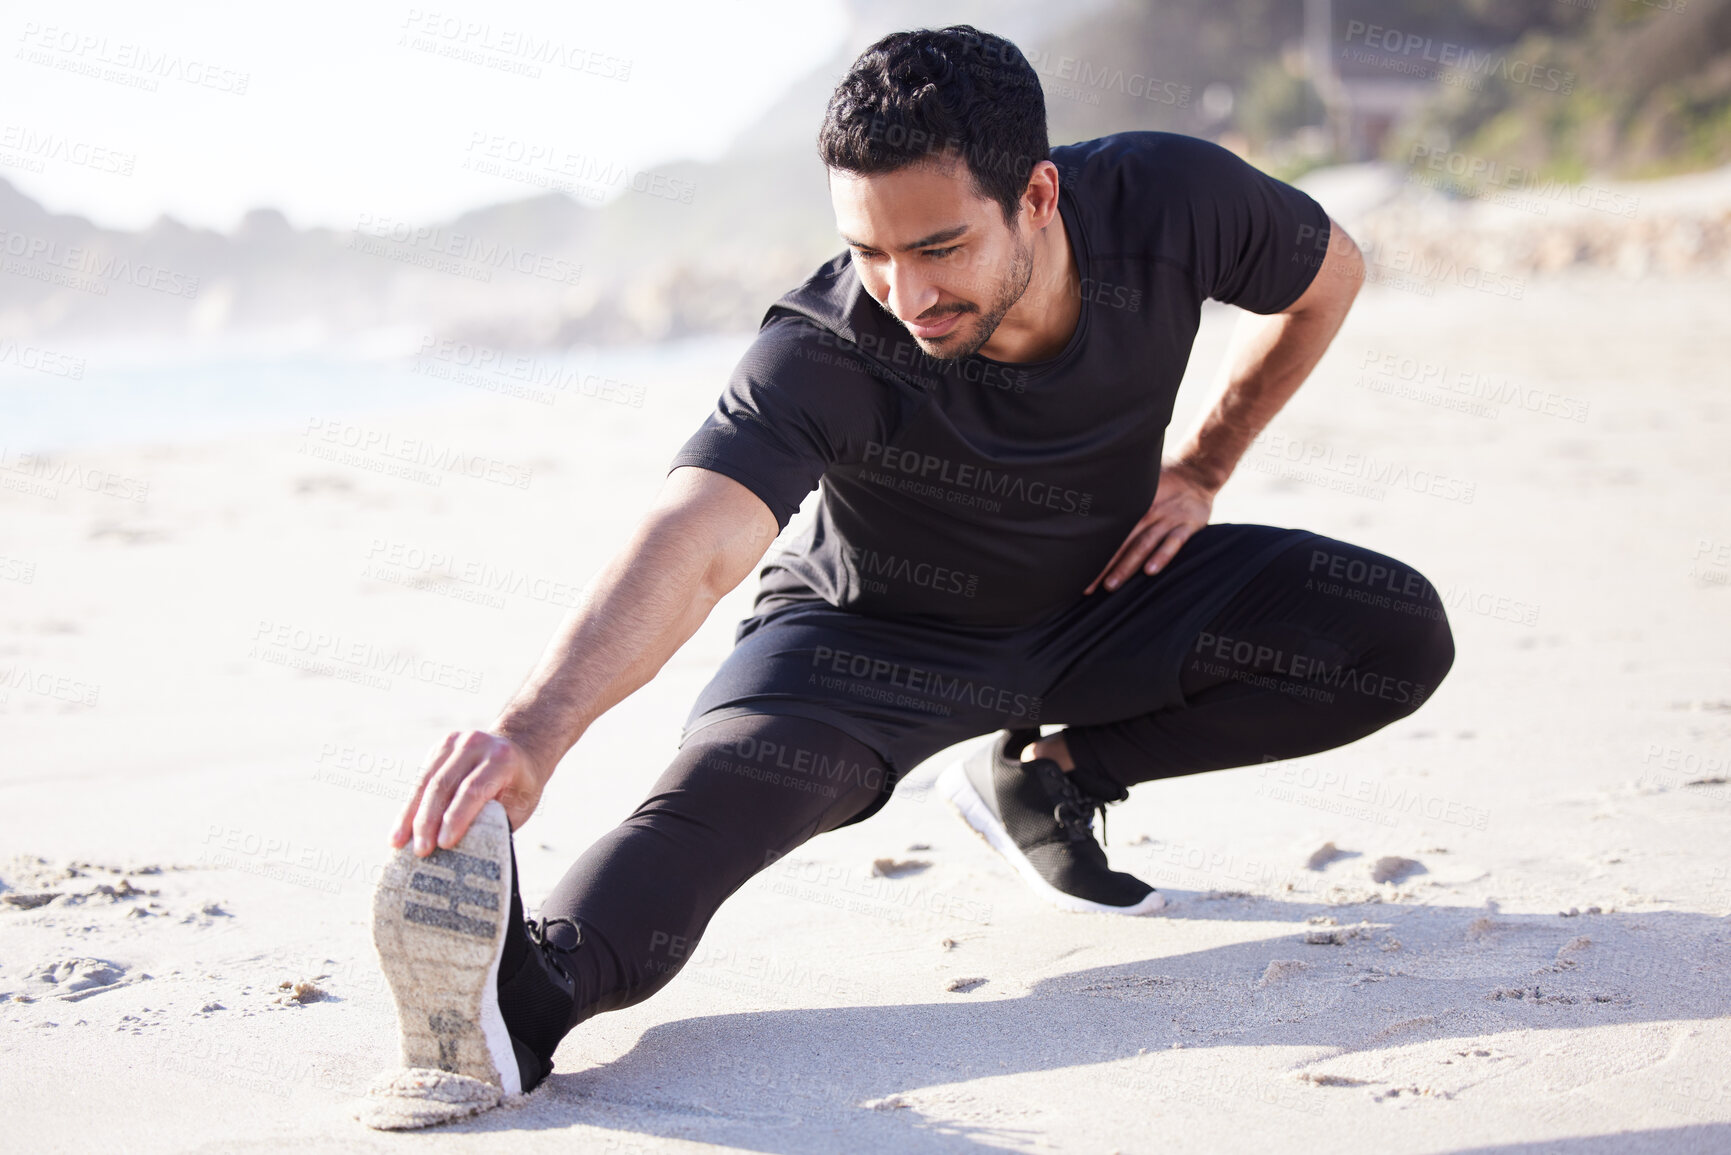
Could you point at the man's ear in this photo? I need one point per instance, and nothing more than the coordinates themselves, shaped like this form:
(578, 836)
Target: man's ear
(1041, 194)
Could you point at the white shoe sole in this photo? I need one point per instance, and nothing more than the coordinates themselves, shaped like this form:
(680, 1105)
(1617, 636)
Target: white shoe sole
(439, 926)
(953, 784)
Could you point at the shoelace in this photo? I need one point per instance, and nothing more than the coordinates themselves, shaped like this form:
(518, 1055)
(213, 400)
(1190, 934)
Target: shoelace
(538, 929)
(1072, 809)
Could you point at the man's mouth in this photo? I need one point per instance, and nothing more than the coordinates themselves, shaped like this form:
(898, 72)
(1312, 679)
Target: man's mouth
(935, 329)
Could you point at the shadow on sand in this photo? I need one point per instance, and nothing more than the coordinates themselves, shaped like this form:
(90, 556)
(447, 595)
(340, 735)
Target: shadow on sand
(797, 1080)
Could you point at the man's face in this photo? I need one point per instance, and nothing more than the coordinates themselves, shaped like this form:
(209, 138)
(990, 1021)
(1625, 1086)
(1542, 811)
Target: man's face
(934, 252)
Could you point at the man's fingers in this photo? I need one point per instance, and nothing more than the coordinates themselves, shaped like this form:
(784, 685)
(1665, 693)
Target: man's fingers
(1140, 545)
(1178, 511)
(480, 786)
(1126, 555)
(406, 821)
(1101, 576)
(1175, 540)
(1121, 556)
(436, 794)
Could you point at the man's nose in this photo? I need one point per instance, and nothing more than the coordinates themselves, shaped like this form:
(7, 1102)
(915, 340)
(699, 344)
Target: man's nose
(909, 295)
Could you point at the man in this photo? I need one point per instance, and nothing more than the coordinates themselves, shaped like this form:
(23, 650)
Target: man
(980, 386)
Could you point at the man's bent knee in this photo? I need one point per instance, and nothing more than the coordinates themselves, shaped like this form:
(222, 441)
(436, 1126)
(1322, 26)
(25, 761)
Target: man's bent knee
(1420, 659)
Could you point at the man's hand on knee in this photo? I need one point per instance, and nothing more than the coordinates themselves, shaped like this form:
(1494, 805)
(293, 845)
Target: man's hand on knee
(462, 774)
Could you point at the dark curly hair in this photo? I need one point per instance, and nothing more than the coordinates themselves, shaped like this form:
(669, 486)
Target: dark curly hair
(928, 94)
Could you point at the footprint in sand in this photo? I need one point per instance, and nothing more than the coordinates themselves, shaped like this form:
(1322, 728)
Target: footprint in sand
(1279, 970)
(1393, 868)
(78, 978)
(1326, 853)
(300, 992)
(1319, 1079)
(1482, 928)
(897, 868)
(29, 901)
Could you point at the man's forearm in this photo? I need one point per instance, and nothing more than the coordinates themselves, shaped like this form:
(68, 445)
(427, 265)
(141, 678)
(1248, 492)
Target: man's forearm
(1269, 358)
(631, 618)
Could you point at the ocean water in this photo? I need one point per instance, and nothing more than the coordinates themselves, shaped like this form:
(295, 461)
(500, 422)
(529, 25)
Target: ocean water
(112, 395)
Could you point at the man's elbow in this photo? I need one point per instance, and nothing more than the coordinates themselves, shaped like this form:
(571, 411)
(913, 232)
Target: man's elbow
(730, 563)
(712, 527)
(1337, 280)
(1342, 272)
(1351, 255)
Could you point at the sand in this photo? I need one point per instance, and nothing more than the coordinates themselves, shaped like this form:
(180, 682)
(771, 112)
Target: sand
(202, 761)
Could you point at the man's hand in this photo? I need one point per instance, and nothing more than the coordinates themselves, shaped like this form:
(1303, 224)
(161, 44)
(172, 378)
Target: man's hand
(703, 536)
(1270, 356)
(465, 772)
(1182, 503)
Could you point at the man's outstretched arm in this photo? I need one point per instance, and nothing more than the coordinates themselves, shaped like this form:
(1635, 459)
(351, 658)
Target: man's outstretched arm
(1269, 359)
(704, 534)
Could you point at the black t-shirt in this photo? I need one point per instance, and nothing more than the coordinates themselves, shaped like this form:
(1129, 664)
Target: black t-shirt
(984, 492)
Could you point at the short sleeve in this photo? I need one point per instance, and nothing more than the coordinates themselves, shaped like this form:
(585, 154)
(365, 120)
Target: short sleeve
(1259, 241)
(1246, 238)
(795, 404)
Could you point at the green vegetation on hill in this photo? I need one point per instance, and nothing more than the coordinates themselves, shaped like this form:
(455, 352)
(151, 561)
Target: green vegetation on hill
(1652, 96)
(1649, 94)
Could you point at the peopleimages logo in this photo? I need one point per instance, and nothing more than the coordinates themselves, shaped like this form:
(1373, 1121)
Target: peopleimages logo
(34, 148)
(1433, 383)
(447, 251)
(46, 255)
(60, 687)
(353, 659)
(520, 51)
(931, 473)
(1470, 174)
(1256, 658)
(42, 476)
(414, 458)
(475, 579)
(40, 360)
(925, 689)
(1316, 462)
(1457, 64)
(124, 62)
(542, 162)
(760, 755)
(875, 569)
(903, 352)
(518, 374)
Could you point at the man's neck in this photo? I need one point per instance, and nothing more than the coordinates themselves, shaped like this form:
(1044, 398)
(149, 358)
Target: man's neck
(1040, 325)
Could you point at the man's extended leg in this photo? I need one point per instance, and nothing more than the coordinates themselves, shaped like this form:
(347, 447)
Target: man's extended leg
(1326, 644)
(625, 918)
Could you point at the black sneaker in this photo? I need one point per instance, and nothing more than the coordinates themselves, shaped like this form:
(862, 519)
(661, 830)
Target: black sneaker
(1036, 817)
(479, 992)
(536, 991)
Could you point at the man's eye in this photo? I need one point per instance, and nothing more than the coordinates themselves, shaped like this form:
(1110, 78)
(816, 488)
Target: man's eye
(941, 252)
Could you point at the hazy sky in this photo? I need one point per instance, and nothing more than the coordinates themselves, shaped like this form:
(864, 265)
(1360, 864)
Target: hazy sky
(122, 111)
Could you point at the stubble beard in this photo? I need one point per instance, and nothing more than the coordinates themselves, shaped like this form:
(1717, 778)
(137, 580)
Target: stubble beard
(954, 346)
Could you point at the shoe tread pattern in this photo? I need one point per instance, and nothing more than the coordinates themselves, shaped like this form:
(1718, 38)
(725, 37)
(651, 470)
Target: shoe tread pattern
(438, 923)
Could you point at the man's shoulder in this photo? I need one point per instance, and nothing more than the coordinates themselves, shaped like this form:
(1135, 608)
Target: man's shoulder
(826, 301)
(829, 319)
(800, 359)
(789, 340)
(1152, 164)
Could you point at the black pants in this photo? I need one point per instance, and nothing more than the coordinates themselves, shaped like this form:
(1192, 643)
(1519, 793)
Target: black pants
(809, 722)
